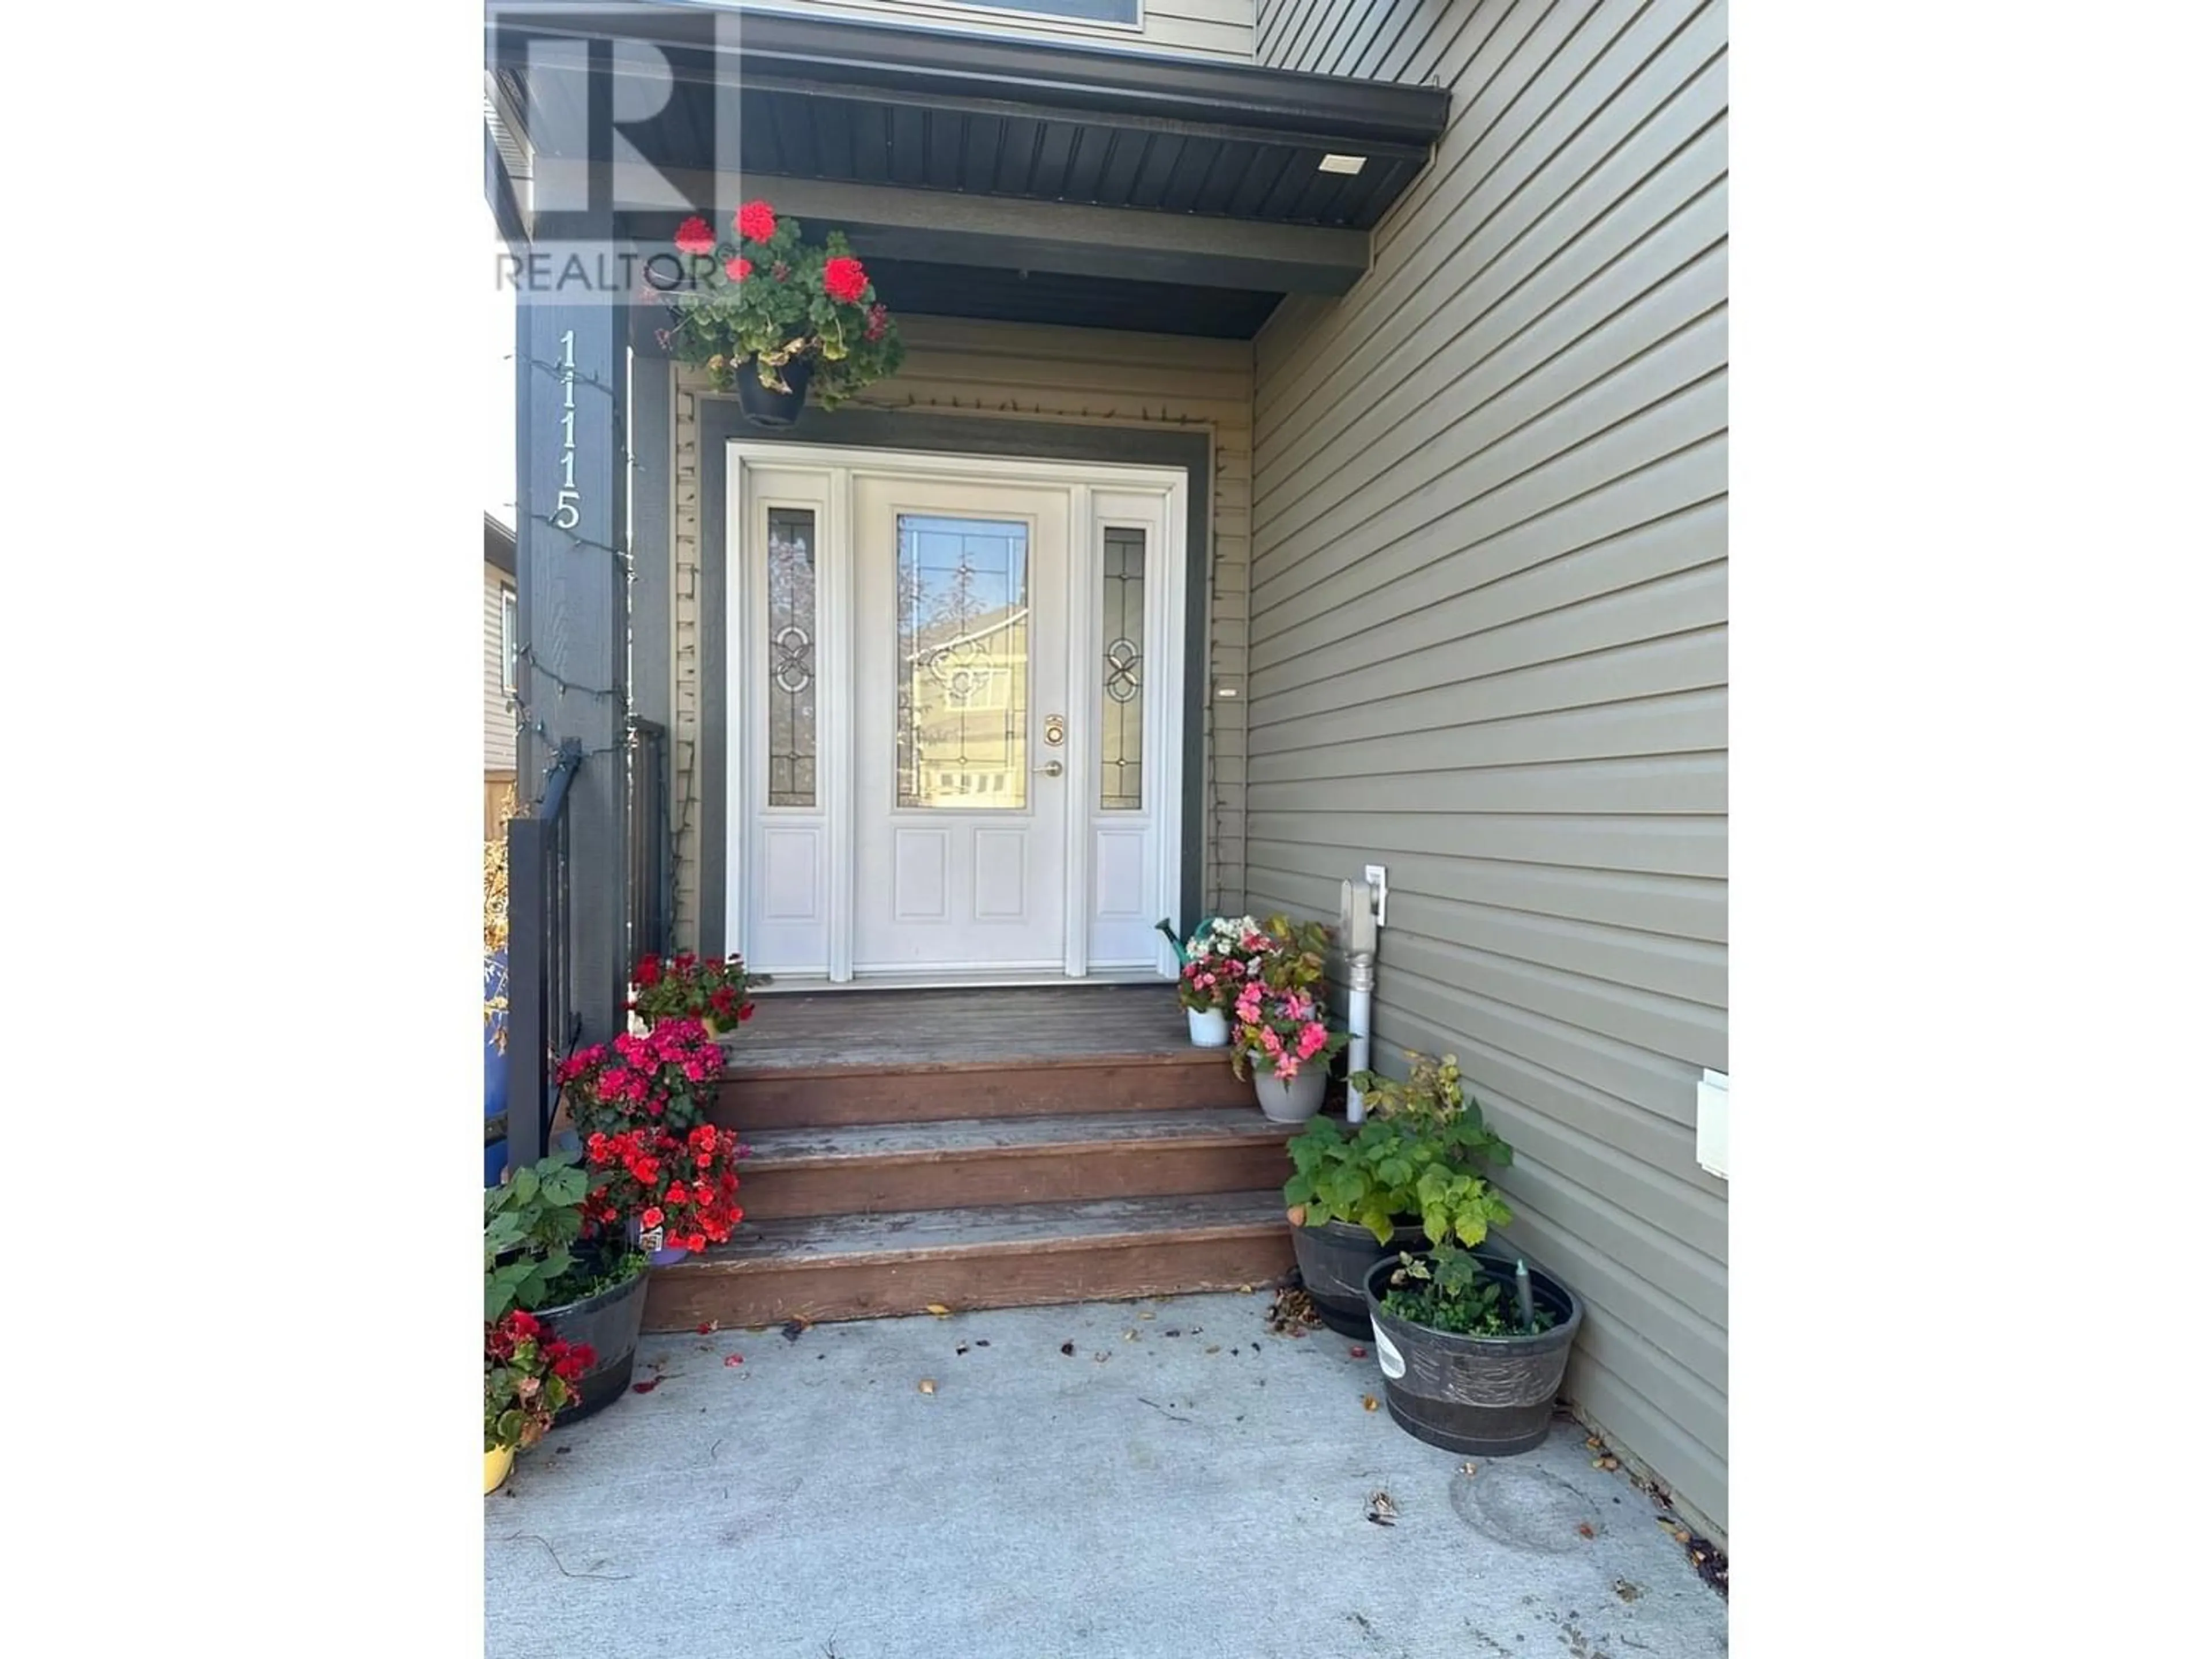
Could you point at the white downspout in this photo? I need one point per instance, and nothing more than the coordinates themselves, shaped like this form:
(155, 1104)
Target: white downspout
(1358, 912)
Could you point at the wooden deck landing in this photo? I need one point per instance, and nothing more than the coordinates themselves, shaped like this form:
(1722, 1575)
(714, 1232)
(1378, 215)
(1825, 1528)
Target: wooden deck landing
(809, 1031)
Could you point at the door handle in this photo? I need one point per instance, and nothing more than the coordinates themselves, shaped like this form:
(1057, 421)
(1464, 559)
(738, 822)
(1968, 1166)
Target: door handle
(1052, 769)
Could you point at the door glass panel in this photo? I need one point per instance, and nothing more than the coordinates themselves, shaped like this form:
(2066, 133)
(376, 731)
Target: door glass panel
(1122, 675)
(790, 656)
(963, 655)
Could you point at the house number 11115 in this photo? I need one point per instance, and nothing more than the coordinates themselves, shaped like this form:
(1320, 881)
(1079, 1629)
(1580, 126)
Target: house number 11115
(565, 505)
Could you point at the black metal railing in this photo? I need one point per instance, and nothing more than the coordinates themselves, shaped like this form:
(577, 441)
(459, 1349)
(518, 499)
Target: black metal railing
(649, 912)
(542, 1021)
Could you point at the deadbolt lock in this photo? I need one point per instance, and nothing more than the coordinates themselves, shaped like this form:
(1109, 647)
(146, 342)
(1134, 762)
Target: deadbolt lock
(1055, 730)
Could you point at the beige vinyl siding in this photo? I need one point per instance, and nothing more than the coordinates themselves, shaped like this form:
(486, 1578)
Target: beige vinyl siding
(1489, 641)
(1217, 28)
(1028, 372)
(499, 718)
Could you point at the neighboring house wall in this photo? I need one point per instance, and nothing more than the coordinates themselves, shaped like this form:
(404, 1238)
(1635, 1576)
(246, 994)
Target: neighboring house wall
(1221, 29)
(1488, 641)
(499, 717)
(1007, 370)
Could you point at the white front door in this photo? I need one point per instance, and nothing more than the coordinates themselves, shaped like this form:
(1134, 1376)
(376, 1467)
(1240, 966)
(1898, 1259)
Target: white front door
(960, 728)
(955, 715)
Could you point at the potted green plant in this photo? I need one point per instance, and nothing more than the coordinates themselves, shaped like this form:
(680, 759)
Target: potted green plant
(771, 316)
(545, 1255)
(709, 989)
(529, 1376)
(1412, 1173)
(1473, 1348)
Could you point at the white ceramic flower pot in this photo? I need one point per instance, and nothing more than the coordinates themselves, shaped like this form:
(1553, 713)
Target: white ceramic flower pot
(1293, 1101)
(1209, 1028)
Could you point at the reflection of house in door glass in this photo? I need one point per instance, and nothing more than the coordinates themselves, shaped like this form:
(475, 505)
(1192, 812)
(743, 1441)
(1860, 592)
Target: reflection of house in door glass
(964, 606)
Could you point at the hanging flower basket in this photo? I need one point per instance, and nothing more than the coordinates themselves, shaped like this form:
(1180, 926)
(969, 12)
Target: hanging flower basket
(765, 407)
(774, 319)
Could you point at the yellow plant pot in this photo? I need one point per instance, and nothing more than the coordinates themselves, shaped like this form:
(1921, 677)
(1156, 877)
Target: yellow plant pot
(496, 1465)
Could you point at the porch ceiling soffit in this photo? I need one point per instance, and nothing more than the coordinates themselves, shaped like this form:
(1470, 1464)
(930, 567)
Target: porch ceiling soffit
(933, 147)
(886, 221)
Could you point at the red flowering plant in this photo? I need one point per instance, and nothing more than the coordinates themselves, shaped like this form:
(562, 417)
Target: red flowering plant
(709, 989)
(681, 1189)
(1280, 1029)
(529, 1374)
(659, 1077)
(761, 299)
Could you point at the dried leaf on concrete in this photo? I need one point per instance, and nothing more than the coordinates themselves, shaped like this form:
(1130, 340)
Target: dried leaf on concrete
(1292, 1313)
(1382, 1511)
(1368, 1402)
(939, 1309)
(928, 1385)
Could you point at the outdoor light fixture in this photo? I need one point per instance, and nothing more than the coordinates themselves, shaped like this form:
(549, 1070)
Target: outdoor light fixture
(1342, 163)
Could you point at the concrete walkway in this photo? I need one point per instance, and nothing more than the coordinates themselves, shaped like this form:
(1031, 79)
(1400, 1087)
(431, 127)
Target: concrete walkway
(1200, 1491)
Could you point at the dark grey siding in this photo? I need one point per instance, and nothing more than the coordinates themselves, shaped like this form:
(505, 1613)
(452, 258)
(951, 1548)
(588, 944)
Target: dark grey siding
(1488, 639)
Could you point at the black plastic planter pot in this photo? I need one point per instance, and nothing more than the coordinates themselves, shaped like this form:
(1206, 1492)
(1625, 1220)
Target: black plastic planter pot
(764, 406)
(1333, 1262)
(1486, 1396)
(609, 1323)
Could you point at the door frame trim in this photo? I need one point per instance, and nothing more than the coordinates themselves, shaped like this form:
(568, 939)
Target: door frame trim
(1167, 714)
(1188, 444)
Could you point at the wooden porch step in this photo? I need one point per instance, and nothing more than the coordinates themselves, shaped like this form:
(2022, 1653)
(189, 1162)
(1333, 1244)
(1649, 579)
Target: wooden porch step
(851, 1266)
(760, 1096)
(966, 1162)
(825, 1059)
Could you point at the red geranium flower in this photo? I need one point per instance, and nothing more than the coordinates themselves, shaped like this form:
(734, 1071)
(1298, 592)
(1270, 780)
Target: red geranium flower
(694, 235)
(648, 971)
(843, 279)
(737, 268)
(756, 222)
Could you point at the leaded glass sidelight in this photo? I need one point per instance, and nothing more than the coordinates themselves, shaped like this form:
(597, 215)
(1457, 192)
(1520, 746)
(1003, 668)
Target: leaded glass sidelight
(963, 653)
(790, 657)
(1121, 674)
